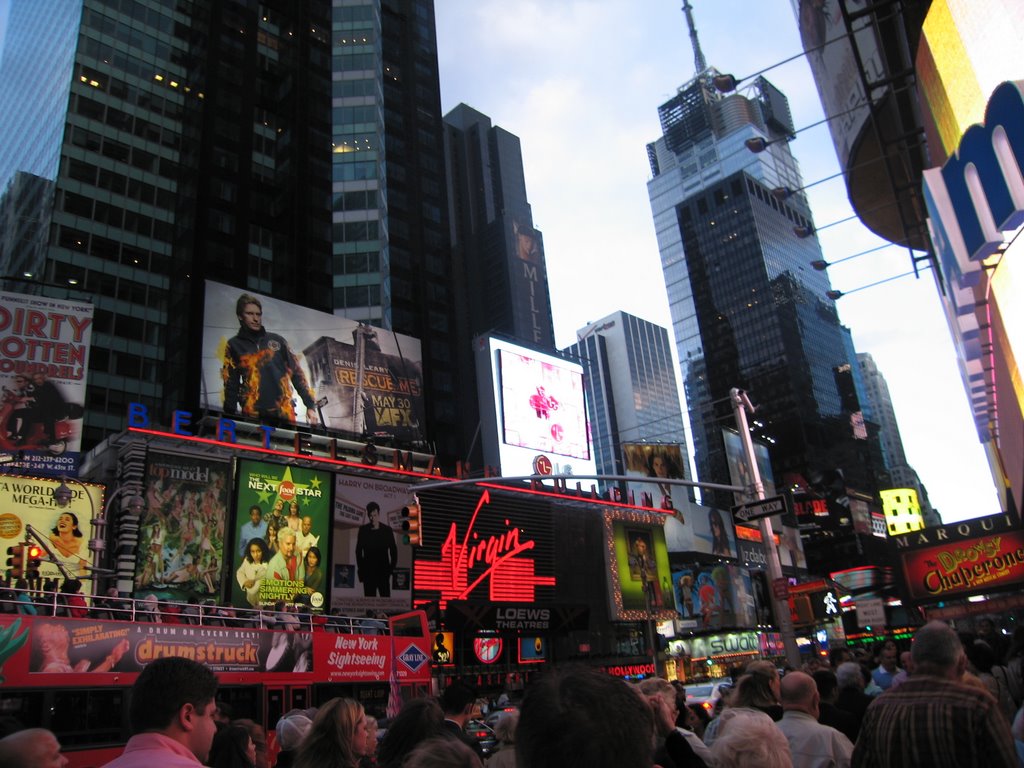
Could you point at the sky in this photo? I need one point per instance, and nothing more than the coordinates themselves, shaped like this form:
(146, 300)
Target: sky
(580, 82)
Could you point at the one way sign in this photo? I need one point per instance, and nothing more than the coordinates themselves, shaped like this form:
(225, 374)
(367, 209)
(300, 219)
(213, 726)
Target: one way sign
(775, 505)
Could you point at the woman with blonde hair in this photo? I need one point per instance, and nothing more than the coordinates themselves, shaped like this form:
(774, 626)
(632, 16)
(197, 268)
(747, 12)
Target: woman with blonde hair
(757, 689)
(337, 738)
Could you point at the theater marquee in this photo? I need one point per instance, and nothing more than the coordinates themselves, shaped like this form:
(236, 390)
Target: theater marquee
(965, 567)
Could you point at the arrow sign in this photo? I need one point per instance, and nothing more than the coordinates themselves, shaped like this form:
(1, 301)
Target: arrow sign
(775, 505)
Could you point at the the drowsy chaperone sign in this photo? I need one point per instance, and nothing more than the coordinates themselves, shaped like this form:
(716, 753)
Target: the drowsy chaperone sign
(962, 567)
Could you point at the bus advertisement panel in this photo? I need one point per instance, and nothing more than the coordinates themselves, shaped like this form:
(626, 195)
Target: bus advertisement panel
(181, 531)
(282, 525)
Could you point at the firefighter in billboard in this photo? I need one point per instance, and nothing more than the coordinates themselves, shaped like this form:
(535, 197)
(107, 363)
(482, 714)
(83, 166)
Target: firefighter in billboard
(260, 371)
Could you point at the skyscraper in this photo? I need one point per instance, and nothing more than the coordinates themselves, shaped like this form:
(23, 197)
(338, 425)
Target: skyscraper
(498, 266)
(736, 239)
(291, 149)
(632, 396)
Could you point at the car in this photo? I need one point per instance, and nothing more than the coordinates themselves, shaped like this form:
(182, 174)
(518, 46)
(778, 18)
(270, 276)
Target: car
(707, 694)
(484, 736)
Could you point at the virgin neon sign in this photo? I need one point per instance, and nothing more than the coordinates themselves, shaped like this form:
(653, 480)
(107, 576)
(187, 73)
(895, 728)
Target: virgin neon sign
(470, 561)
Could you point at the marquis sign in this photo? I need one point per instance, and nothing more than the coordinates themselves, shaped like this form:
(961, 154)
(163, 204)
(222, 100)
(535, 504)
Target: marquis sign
(957, 569)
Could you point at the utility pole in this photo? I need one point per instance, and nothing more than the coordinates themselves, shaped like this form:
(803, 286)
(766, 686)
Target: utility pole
(740, 405)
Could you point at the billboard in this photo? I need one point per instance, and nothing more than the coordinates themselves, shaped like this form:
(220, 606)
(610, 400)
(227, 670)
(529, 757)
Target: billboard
(739, 474)
(528, 278)
(539, 410)
(28, 501)
(656, 461)
(291, 563)
(371, 568)
(44, 357)
(181, 531)
(717, 595)
(968, 566)
(640, 579)
(278, 362)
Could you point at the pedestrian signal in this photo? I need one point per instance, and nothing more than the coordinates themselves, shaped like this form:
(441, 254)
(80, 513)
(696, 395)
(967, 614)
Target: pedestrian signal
(411, 525)
(16, 561)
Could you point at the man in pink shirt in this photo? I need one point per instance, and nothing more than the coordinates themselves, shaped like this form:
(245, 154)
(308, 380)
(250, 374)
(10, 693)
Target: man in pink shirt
(172, 716)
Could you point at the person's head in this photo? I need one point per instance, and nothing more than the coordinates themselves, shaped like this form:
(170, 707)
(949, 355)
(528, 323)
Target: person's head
(255, 515)
(716, 524)
(936, 650)
(457, 701)
(176, 697)
(799, 692)
(887, 658)
(980, 655)
(307, 525)
(747, 738)
(20, 382)
(417, 721)
(371, 735)
(907, 662)
(661, 688)
(373, 512)
(31, 748)
(312, 557)
(223, 713)
(249, 311)
(256, 550)
(39, 377)
(292, 729)
(986, 628)
(53, 640)
(71, 586)
(232, 747)
(259, 740)
(640, 545)
(505, 728)
(838, 656)
(293, 509)
(657, 465)
(442, 752)
(337, 736)
(575, 715)
(286, 542)
(67, 524)
(758, 686)
(828, 686)
(278, 507)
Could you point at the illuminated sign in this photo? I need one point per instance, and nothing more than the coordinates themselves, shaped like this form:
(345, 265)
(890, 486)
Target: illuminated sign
(481, 552)
(487, 649)
(441, 650)
(722, 645)
(955, 531)
(532, 650)
(965, 567)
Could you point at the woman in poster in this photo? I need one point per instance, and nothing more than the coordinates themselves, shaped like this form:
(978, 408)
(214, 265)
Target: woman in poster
(252, 570)
(294, 518)
(661, 466)
(719, 538)
(54, 642)
(314, 579)
(66, 538)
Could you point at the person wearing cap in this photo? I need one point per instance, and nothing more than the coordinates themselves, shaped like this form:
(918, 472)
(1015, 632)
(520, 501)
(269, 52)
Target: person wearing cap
(291, 730)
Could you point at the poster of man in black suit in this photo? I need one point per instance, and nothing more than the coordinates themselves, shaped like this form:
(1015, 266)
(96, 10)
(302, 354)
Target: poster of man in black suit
(376, 554)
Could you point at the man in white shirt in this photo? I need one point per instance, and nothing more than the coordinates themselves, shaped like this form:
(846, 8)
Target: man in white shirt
(812, 744)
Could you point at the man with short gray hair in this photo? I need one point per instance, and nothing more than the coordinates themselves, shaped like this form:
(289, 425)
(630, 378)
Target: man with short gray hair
(933, 719)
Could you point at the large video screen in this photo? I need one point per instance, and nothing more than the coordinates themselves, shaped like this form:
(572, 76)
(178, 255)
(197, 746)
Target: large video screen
(273, 361)
(542, 404)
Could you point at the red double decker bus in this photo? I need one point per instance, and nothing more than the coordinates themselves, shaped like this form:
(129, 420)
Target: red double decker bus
(73, 675)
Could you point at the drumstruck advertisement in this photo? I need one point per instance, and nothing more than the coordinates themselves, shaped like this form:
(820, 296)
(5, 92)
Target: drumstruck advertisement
(282, 522)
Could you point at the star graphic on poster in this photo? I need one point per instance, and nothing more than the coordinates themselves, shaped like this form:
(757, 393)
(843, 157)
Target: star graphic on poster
(315, 482)
(264, 497)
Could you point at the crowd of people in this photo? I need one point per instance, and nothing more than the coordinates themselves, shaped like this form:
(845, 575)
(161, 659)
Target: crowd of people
(933, 705)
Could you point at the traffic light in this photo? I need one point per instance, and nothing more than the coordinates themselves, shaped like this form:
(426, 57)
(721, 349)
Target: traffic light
(31, 559)
(16, 561)
(411, 525)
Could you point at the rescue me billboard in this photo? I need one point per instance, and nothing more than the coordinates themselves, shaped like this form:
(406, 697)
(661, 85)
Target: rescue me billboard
(277, 362)
(44, 356)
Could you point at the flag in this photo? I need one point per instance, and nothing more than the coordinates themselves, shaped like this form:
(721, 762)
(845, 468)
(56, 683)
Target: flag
(394, 694)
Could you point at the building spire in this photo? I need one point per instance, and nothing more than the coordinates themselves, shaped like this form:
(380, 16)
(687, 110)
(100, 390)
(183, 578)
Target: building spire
(698, 55)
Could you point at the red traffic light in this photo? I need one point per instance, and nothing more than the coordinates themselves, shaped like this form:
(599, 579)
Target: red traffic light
(32, 555)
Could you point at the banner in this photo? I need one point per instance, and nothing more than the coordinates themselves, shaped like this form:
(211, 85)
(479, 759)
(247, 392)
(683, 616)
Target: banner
(720, 596)
(44, 356)
(966, 567)
(281, 547)
(181, 531)
(29, 501)
(371, 570)
(370, 658)
(641, 586)
(274, 361)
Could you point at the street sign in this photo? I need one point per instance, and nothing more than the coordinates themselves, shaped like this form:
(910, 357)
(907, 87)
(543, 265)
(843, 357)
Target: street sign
(780, 588)
(870, 612)
(755, 510)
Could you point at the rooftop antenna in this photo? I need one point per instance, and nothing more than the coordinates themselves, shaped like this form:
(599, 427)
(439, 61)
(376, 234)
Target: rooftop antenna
(698, 55)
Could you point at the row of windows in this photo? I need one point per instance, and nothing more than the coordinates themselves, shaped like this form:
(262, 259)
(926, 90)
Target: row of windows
(123, 153)
(356, 263)
(359, 200)
(126, 62)
(343, 88)
(357, 296)
(347, 14)
(111, 250)
(353, 62)
(362, 115)
(79, 170)
(362, 171)
(349, 231)
(113, 216)
(144, 99)
(133, 36)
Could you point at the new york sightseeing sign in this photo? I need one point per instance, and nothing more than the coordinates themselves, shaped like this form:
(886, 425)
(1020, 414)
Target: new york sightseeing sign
(956, 569)
(482, 546)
